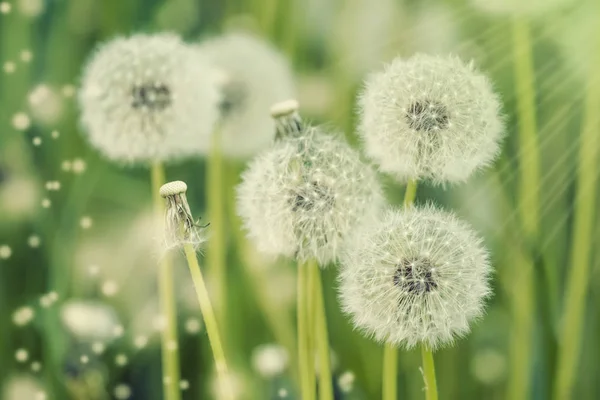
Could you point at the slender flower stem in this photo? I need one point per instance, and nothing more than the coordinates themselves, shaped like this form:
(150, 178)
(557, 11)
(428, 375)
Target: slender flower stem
(322, 337)
(210, 321)
(169, 348)
(311, 324)
(303, 355)
(578, 278)
(390, 372)
(390, 353)
(528, 206)
(216, 248)
(429, 373)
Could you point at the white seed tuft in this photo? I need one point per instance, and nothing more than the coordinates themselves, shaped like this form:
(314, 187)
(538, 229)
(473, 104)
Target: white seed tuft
(269, 360)
(303, 197)
(148, 97)
(418, 275)
(255, 75)
(430, 117)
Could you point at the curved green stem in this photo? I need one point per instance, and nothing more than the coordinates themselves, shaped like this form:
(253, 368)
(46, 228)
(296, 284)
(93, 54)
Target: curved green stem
(578, 278)
(210, 321)
(429, 373)
(169, 348)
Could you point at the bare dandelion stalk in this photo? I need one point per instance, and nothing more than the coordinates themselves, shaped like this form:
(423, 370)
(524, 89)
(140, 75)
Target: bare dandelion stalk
(216, 248)
(429, 373)
(306, 389)
(170, 353)
(390, 352)
(181, 230)
(578, 279)
(528, 203)
(322, 336)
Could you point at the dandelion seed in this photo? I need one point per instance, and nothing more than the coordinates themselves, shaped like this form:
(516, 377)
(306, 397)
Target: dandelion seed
(122, 392)
(5, 252)
(142, 98)
(37, 141)
(21, 355)
(118, 331)
(9, 67)
(488, 366)
(36, 366)
(84, 359)
(282, 393)
(140, 342)
(55, 135)
(46, 105)
(346, 381)
(269, 360)
(417, 276)
(192, 326)
(45, 301)
(93, 270)
(26, 56)
(255, 76)
(34, 241)
(159, 323)
(98, 348)
(430, 117)
(78, 166)
(21, 121)
(5, 7)
(110, 288)
(53, 185)
(31, 8)
(86, 222)
(303, 197)
(184, 384)
(23, 316)
(46, 203)
(180, 227)
(89, 320)
(121, 360)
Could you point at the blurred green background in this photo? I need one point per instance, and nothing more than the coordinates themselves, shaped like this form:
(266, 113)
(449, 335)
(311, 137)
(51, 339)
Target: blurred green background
(74, 227)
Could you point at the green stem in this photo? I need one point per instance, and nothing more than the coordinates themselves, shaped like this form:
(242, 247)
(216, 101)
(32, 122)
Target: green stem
(529, 160)
(578, 278)
(528, 207)
(429, 373)
(390, 353)
(311, 324)
(322, 337)
(216, 248)
(169, 348)
(303, 356)
(390, 372)
(210, 321)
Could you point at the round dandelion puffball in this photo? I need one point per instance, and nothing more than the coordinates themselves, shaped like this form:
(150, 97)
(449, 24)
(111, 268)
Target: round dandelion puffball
(254, 75)
(148, 97)
(416, 276)
(303, 197)
(430, 117)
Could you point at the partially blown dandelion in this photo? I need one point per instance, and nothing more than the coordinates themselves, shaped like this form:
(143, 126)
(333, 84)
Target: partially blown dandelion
(430, 117)
(180, 227)
(148, 98)
(306, 194)
(417, 276)
(254, 76)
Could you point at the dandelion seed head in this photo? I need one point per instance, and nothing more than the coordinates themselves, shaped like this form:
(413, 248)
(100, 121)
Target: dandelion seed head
(430, 118)
(255, 75)
(416, 276)
(180, 226)
(269, 360)
(148, 97)
(306, 195)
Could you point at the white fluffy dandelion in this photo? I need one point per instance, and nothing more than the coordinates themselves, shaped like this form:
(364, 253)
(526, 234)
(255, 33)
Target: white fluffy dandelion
(430, 117)
(304, 196)
(417, 276)
(254, 76)
(148, 98)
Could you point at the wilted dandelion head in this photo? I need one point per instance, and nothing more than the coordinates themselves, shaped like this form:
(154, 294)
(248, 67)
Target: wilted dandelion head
(254, 76)
(180, 227)
(148, 97)
(418, 275)
(303, 197)
(430, 117)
